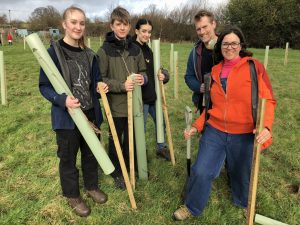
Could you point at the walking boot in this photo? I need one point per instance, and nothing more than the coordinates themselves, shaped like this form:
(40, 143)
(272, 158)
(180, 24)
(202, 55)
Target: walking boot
(79, 206)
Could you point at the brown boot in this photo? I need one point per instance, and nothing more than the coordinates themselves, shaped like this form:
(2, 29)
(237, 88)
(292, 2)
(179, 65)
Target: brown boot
(79, 206)
(182, 213)
(97, 195)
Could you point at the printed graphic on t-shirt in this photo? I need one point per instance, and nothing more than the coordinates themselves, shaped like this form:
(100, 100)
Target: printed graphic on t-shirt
(81, 83)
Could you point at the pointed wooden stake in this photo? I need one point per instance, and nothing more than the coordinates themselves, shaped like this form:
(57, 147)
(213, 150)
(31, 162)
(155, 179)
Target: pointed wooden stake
(255, 162)
(130, 137)
(166, 116)
(117, 145)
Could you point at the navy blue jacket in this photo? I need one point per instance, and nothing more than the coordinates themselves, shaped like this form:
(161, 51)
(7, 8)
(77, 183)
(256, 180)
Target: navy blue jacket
(193, 76)
(59, 114)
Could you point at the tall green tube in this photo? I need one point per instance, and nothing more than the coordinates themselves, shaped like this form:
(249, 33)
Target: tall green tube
(171, 59)
(60, 86)
(158, 105)
(139, 131)
(175, 69)
(3, 80)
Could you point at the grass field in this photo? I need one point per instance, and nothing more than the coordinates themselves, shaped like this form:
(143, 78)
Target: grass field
(29, 183)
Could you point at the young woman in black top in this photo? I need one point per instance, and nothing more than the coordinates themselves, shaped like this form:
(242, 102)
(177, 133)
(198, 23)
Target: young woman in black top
(143, 29)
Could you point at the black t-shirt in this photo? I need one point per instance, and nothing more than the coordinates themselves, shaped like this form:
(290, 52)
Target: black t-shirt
(79, 67)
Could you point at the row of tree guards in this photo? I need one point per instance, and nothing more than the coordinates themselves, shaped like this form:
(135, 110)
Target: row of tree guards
(266, 59)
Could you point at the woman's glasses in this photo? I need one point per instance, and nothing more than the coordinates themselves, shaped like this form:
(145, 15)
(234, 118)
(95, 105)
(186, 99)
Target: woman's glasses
(233, 45)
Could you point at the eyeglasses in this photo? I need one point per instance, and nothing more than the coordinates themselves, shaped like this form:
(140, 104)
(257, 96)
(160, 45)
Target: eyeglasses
(233, 45)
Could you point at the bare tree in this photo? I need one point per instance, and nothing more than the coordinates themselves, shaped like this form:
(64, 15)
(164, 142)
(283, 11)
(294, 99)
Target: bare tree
(3, 19)
(44, 17)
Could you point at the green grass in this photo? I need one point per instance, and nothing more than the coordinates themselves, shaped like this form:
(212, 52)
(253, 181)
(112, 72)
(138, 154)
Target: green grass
(29, 183)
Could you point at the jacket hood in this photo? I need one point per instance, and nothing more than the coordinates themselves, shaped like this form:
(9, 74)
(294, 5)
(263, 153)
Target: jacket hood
(121, 44)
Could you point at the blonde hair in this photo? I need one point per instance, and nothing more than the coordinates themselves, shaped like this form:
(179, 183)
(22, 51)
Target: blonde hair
(71, 9)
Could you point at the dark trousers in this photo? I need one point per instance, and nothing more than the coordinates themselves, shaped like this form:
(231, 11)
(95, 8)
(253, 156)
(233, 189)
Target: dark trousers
(121, 124)
(69, 141)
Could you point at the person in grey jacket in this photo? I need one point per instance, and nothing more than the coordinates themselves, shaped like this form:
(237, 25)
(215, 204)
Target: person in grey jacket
(118, 58)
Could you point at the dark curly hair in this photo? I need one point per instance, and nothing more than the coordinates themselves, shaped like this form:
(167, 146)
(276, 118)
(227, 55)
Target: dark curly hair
(218, 57)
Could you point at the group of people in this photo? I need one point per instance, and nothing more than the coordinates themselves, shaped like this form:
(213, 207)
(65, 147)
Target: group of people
(228, 130)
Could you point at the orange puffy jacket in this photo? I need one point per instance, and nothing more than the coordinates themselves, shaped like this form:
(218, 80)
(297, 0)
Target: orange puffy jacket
(231, 112)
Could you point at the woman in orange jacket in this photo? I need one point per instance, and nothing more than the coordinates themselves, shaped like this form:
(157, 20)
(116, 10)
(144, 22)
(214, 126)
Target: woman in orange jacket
(229, 131)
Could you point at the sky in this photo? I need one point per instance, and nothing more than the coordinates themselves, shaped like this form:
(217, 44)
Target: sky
(22, 9)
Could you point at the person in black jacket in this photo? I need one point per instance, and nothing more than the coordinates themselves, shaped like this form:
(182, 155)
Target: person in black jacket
(200, 59)
(143, 29)
(70, 54)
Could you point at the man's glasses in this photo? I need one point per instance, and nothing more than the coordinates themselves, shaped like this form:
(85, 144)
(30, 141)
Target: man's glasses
(233, 45)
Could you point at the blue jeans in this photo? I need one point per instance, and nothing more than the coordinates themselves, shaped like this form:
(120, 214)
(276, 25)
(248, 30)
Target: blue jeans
(214, 147)
(150, 109)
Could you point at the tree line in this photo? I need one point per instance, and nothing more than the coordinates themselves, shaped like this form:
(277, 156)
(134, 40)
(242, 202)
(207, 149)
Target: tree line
(264, 22)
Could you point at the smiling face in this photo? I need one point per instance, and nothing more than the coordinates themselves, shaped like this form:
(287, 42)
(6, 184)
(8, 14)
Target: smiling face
(230, 46)
(74, 25)
(121, 29)
(205, 29)
(144, 33)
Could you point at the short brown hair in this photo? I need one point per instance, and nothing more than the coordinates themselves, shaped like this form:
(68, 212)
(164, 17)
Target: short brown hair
(203, 13)
(120, 14)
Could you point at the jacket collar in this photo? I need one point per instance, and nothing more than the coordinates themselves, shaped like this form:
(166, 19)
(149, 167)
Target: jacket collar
(217, 69)
(120, 44)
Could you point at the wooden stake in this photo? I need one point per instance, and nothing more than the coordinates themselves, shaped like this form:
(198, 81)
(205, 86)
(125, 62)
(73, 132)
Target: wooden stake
(117, 145)
(266, 57)
(286, 54)
(255, 162)
(168, 129)
(130, 137)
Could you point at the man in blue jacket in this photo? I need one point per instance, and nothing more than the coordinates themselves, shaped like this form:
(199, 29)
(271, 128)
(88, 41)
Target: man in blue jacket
(200, 60)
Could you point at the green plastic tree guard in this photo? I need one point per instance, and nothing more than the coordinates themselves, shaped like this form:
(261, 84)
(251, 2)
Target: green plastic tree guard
(267, 221)
(3, 80)
(171, 59)
(139, 131)
(60, 86)
(175, 69)
(158, 104)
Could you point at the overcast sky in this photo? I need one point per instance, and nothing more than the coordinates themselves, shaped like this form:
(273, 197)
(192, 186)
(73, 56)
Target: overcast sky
(21, 9)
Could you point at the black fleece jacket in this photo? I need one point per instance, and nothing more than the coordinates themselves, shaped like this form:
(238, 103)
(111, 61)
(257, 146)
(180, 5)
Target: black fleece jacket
(148, 90)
